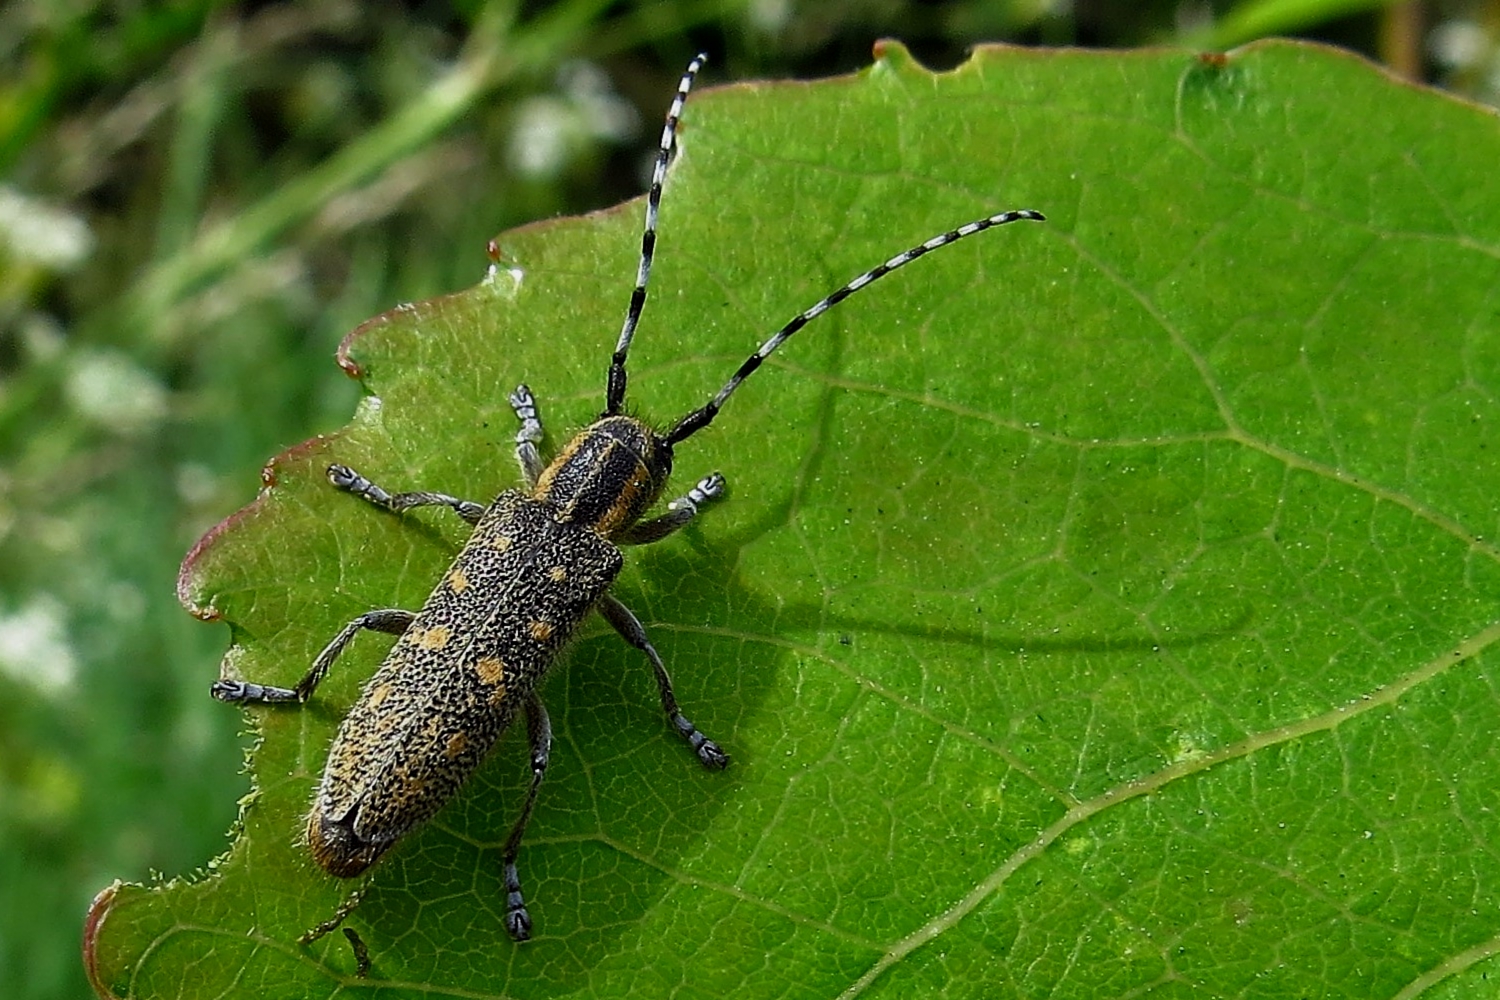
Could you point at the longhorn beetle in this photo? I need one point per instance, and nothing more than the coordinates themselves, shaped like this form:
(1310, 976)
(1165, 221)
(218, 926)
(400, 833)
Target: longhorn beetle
(536, 563)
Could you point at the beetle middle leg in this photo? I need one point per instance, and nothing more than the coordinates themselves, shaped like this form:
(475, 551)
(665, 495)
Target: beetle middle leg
(350, 481)
(632, 631)
(393, 621)
(539, 738)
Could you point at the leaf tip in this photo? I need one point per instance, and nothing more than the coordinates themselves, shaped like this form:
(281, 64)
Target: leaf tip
(192, 590)
(94, 919)
(344, 355)
(892, 54)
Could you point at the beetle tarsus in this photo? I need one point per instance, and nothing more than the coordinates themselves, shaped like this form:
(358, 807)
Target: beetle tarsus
(517, 919)
(710, 753)
(245, 692)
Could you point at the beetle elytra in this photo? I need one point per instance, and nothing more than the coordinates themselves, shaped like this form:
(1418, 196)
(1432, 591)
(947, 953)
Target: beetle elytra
(537, 562)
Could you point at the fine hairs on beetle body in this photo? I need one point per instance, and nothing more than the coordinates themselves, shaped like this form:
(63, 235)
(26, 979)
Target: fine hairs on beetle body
(538, 561)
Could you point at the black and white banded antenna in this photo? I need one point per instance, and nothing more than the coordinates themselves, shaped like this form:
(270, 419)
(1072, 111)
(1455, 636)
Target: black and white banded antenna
(704, 415)
(615, 393)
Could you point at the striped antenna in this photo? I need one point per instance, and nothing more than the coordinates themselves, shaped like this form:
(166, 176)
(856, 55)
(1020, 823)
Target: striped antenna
(704, 415)
(614, 398)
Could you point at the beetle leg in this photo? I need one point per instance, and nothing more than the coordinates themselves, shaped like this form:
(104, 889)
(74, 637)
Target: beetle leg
(350, 481)
(530, 434)
(361, 952)
(632, 631)
(392, 620)
(539, 738)
(328, 926)
(679, 512)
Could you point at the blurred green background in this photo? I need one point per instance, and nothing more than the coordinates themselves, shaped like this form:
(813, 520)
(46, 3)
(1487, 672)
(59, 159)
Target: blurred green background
(199, 199)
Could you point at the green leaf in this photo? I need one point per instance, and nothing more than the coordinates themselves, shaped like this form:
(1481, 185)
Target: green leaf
(1101, 608)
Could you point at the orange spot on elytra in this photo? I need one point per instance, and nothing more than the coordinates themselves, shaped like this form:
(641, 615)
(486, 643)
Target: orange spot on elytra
(490, 669)
(458, 581)
(540, 631)
(434, 638)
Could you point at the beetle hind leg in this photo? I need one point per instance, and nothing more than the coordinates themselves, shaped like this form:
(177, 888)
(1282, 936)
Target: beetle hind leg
(332, 923)
(539, 738)
(392, 621)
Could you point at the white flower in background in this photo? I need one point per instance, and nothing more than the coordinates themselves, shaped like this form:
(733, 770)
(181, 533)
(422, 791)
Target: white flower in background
(1459, 44)
(551, 130)
(33, 231)
(606, 115)
(540, 141)
(34, 648)
(769, 17)
(111, 390)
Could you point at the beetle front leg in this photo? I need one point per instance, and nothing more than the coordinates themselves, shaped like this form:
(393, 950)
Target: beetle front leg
(392, 620)
(539, 739)
(632, 631)
(530, 434)
(679, 513)
(346, 479)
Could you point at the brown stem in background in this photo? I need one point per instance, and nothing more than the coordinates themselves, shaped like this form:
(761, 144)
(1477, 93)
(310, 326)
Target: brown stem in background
(1401, 38)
